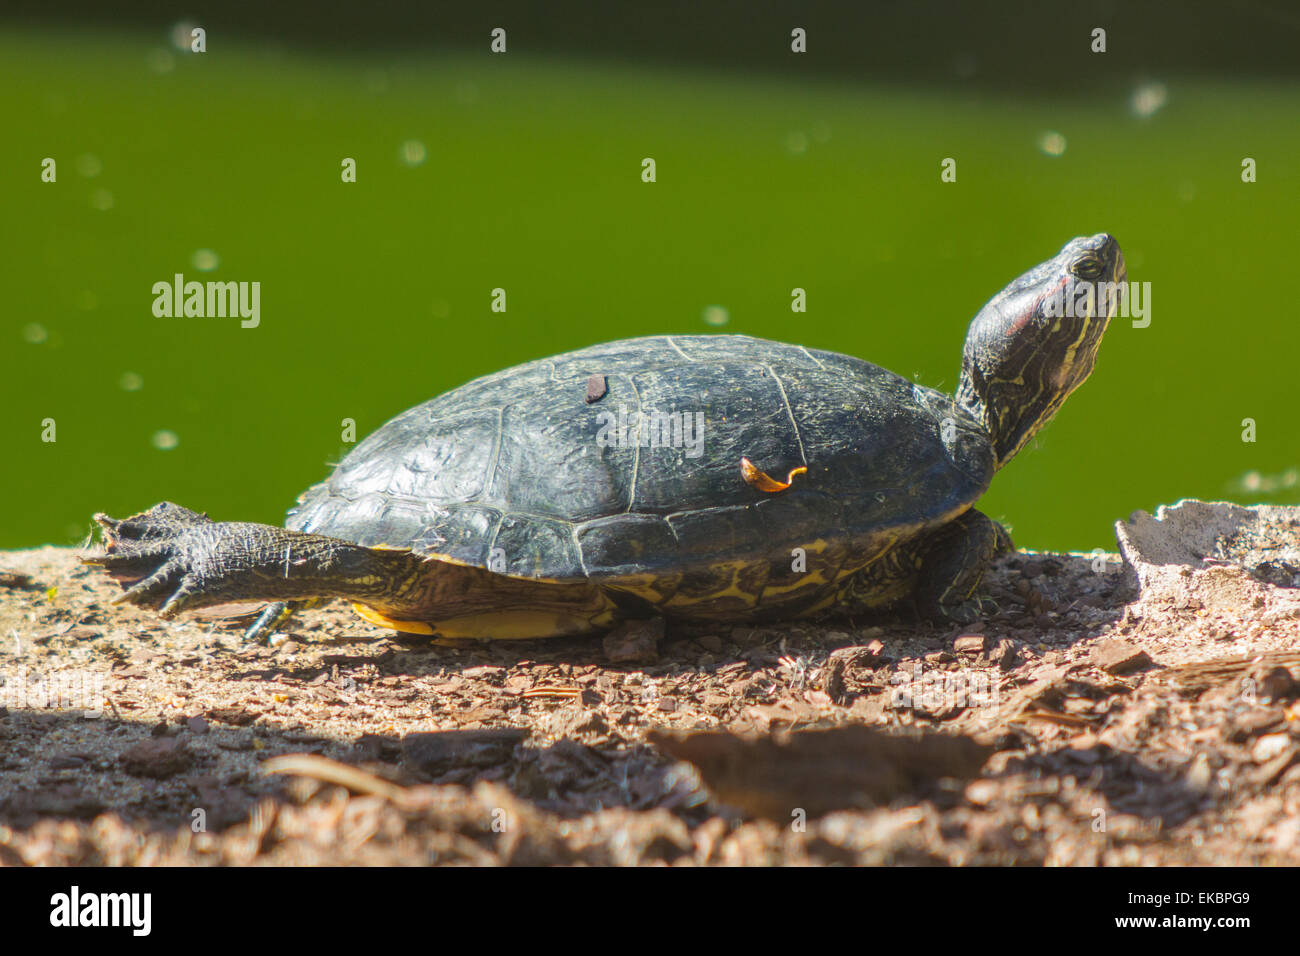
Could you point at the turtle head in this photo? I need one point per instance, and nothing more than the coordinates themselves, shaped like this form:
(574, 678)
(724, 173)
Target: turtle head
(1036, 341)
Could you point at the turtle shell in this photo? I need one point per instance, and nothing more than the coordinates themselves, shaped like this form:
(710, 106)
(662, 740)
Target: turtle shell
(621, 464)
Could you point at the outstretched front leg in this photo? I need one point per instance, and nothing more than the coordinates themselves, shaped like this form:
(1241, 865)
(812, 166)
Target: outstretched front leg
(172, 559)
(953, 561)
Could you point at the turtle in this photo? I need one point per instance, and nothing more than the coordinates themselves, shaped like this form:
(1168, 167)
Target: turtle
(695, 477)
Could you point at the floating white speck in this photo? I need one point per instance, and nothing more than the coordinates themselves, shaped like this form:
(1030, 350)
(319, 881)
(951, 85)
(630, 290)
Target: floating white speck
(466, 92)
(165, 440)
(87, 301)
(1256, 483)
(716, 315)
(413, 152)
(130, 382)
(440, 308)
(35, 333)
(88, 165)
(1051, 143)
(1147, 99)
(102, 200)
(796, 142)
(183, 36)
(205, 260)
(161, 61)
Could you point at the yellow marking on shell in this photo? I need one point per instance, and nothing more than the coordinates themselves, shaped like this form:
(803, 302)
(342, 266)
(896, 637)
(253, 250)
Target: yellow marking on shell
(882, 596)
(521, 625)
(757, 478)
(644, 585)
(825, 604)
(445, 558)
(808, 579)
(374, 617)
(732, 589)
(496, 625)
(814, 578)
(448, 559)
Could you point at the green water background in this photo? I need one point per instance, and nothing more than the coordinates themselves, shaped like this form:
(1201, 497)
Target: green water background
(376, 295)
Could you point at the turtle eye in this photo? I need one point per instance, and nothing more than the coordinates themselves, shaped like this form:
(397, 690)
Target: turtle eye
(1087, 267)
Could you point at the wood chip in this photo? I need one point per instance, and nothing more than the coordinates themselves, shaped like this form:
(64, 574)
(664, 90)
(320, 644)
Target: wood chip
(238, 716)
(331, 771)
(436, 753)
(819, 771)
(831, 678)
(158, 757)
(1254, 721)
(19, 581)
(636, 642)
(1269, 746)
(1038, 712)
(1117, 656)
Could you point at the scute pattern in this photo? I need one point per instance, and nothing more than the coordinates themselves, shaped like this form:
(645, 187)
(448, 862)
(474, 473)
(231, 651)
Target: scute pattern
(507, 472)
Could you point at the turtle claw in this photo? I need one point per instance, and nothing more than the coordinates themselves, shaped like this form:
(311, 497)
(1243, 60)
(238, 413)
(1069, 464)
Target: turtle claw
(168, 591)
(127, 565)
(163, 520)
(171, 559)
(152, 590)
(157, 556)
(182, 599)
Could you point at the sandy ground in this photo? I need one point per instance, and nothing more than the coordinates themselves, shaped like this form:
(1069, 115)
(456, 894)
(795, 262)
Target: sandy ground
(1135, 711)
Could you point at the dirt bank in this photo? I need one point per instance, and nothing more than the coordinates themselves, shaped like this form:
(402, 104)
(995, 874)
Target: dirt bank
(1139, 712)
